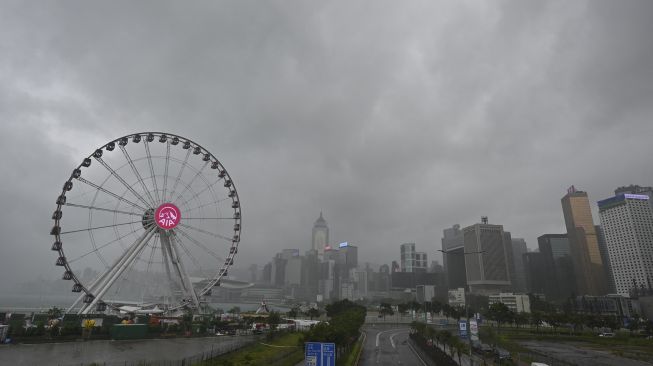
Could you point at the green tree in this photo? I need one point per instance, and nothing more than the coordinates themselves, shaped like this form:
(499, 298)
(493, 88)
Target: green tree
(234, 310)
(414, 305)
(634, 325)
(445, 339)
(187, 320)
(555, 320)
(385, 309)
(293, 312)
(436, 306)
(500, 313)
(446, 310)
(521, 319)
(458, 348)
(313, 313)
(536, 319)
(274, 318)
(54, 313)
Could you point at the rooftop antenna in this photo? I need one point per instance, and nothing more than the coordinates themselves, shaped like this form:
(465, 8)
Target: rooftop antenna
(484, 220)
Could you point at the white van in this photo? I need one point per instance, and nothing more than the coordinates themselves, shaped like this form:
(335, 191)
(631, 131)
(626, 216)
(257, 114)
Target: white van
(538, 364)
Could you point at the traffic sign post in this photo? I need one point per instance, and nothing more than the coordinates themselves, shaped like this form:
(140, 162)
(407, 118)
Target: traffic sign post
(319, 354)
(473, 329)
(462, 327)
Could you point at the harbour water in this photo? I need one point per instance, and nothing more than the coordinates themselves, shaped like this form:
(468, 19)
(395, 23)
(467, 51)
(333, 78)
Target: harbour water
(31, 303)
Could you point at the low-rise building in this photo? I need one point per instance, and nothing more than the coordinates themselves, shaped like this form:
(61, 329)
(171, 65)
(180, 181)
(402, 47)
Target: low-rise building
(610, 305)
(518, 303)
(457, 297)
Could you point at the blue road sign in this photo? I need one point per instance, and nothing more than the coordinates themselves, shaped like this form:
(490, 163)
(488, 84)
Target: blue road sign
(462, 327)
(328, 354)
(320, 354)
(313, 354)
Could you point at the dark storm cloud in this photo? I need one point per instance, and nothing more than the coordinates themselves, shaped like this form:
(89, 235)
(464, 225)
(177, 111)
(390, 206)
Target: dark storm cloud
(397, 120)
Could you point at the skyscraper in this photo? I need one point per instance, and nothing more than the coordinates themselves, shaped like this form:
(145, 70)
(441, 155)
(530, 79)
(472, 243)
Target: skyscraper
(627, 221)
(605, 257)
(453, 250)
(407, 257)
(421, 262)
(583, 244)
(486, 258)
(320, 237)
(519, 276)
(557, 267)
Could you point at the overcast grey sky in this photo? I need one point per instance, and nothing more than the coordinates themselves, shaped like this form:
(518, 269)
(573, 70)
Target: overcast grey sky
(397, 119)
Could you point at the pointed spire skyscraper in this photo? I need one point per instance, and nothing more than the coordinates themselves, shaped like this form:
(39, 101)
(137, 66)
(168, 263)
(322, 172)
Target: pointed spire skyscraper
(320, 238)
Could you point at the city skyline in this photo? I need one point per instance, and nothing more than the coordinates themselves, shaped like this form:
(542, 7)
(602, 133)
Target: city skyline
(396, 120)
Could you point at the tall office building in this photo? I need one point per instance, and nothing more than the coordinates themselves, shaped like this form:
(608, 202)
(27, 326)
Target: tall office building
(557, 267)
(635, 189)
(486, 259)
(583, 242)
(537, 277)
(453, 255)
(605, 257)
(519, 275)
(311, 274)
(421, 262)
(320, 237)
(407, 257)
(627, 221)
(348, 256)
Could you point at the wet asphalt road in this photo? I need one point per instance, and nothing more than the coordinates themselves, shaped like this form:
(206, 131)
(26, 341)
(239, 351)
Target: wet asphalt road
(388, 345)
(116, 352)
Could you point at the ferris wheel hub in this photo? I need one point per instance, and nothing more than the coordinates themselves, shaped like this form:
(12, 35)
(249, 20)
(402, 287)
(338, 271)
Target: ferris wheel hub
(167, 216)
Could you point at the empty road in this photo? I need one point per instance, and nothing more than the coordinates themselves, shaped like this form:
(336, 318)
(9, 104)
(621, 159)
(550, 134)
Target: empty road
(388, 345)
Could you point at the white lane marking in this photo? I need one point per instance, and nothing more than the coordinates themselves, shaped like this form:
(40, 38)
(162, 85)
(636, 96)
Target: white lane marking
(392, 341)
(379, 334)
(416, 354)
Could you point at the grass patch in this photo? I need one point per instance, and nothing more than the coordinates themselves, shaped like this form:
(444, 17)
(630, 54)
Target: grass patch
(623, 345)
(350, 358)
(283, 350)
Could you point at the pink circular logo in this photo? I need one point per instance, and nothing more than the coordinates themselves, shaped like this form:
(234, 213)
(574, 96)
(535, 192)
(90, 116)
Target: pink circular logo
(167, 216)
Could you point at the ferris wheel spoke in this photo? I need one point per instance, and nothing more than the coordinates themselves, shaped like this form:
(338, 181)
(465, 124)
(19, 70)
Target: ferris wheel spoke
(137, 174)
(95, 250)
(121, 180)
(154, 245)
(200, 245)
(203, 190)
(111, 193)
(207, 204)
(187, 252)
(99, 227)
(149, 162)
(165, 174)
(208, 218)
(206, 232)
(123, 262)
(181, 171)
(193, 180)
(102, 209)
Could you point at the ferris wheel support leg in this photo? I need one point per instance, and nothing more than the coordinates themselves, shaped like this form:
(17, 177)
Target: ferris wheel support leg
(165, 250)
(181, 271)
(100, 281)
(103, 276)
(137, 248)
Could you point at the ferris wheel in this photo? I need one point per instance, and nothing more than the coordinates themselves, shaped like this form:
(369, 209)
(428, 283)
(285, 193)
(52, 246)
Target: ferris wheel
(150, 218)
